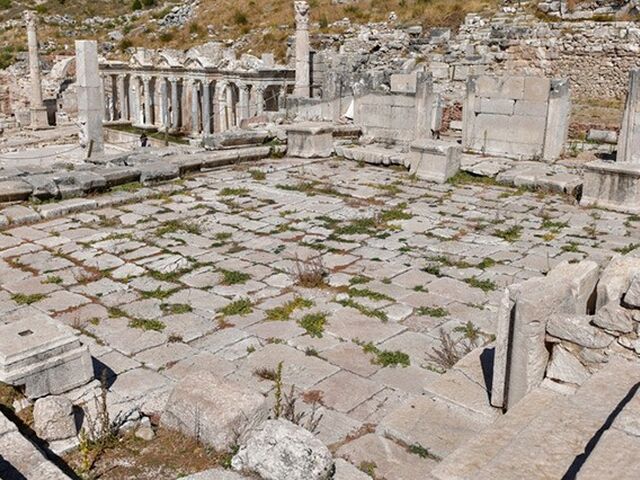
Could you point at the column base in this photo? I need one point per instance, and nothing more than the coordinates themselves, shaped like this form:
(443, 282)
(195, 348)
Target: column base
(39, 119)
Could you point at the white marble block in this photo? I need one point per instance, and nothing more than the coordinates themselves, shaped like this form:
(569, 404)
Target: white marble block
(435, 160)
(310, 140)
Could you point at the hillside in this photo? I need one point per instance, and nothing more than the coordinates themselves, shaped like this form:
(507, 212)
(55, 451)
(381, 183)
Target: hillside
(256, 25)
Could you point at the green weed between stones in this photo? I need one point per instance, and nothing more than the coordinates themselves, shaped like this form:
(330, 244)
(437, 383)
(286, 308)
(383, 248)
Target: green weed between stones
(144, 324)
(22, 299)
(230, 277)
(386, 358)
(313, 323)
(435, 312)
(285, 311)
(241, 307)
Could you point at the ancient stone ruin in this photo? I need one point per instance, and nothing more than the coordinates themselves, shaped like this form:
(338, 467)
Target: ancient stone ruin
(383, 251)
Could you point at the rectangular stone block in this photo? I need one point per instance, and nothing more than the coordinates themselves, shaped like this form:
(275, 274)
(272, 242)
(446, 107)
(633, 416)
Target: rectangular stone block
(536, 89)
(308, 140)
(43, 355)
(529, 108)
(500, 106)
(403, 83)
(615, 186)
(435, 160)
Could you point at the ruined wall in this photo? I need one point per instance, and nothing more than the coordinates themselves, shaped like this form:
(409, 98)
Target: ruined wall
(516, 116)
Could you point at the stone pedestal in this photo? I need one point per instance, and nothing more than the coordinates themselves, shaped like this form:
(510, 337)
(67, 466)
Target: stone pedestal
(310, 140)
(435, 160)
(615, 186)
(43, 355)
(90, 98)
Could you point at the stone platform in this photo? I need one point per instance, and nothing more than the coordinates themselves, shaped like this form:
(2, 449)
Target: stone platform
(201, 273)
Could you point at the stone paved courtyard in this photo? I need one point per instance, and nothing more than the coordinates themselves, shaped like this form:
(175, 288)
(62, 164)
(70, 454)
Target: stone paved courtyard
(205, 273)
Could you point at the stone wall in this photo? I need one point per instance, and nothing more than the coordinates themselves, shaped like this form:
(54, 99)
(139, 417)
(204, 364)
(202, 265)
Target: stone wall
(521, 117)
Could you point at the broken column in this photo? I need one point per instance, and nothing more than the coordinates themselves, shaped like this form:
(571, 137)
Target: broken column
(90, 101)
(616, 185)
(303, 63)
(38, 110)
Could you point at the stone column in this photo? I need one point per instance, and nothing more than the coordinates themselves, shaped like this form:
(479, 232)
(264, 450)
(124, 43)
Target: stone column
(303, 70)
(131, 96)
(175, 104)
(114, 97)
(259, 90)
(164, 104)
(230, 109)
(206, 107)
(122, 96)
(217, 117)
(629, 138)
(423, 105)
(195, 108)
(38, 110)
(243, 102)
(148, 101)
(90, 104)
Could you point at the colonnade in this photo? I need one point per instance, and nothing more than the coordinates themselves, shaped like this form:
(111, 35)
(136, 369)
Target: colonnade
(190, 104)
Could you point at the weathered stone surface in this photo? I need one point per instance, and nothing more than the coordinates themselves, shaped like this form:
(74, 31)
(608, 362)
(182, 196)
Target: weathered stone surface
(614, 456)
(310, 140)
(582, 278)
(157, 172)
(43, 355)
(614, 186)
(616, 279)
(214, 410)
(14, 190)
(614, 317)
(53, 418)
(578, 329)
(632, 297)
(565, 367)
(384, 458)
(435, 160)
(21, 459)
(279, 449)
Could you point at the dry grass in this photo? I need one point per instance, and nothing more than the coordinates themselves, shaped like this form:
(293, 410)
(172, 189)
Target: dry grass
(268, 23)
(310, 273)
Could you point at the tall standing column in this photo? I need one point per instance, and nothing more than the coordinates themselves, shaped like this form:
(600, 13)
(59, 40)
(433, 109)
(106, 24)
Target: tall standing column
(38, 110)
(148, 101)
(195, 108)
(122, 96)
(114, 97)
(259, 90)
(88, 84)
(164, 104)
(303, 70)
(175, 104)
(243, 102)
(230, 108)
(221, 88)
(206, 107)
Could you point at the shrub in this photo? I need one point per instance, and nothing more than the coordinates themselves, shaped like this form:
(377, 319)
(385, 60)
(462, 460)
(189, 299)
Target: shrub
(136, 5)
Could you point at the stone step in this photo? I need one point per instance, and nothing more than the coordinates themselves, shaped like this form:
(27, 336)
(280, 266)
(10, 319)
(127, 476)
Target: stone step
(546, 432)
(478, 450)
